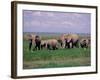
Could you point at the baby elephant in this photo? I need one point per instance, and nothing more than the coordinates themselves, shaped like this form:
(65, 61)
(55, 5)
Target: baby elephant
(84, 43)
(50, 44)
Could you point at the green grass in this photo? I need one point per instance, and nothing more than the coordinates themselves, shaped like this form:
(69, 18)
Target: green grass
(55, 58)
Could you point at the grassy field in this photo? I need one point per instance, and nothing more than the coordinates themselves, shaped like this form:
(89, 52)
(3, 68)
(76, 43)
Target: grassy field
(55, 58)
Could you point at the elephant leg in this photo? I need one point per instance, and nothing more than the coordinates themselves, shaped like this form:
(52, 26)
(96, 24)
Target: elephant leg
(48, 47)
(38, 47)
(30, 46)
(35, 48)
(61, 44)
(72, 45)
(68, 45)
(53, 47)
(42, 46)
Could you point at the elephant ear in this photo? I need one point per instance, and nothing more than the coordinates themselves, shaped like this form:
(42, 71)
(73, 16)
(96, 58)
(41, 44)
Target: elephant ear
(27, 36)
(69, 37)
(73, 36)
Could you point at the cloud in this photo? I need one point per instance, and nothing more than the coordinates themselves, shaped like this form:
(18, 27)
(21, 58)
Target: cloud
(37, 13)
(27, 12)
(41, 13)
(67, 23)
(50, 14)
(26, 24)
(35, 23)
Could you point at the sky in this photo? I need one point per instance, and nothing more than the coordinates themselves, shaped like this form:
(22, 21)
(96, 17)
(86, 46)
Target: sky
(56, 22)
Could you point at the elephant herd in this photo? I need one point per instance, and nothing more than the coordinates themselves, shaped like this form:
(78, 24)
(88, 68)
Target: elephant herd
(64, 41)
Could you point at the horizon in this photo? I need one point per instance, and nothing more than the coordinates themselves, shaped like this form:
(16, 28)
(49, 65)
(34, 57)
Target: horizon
(57, 33)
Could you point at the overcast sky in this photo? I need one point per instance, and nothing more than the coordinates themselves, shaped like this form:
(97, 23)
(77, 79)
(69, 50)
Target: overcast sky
(63, 22)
